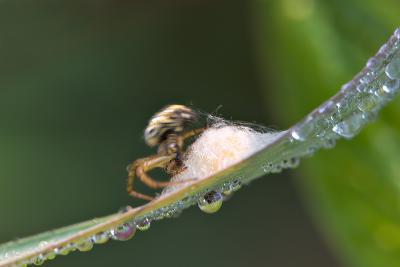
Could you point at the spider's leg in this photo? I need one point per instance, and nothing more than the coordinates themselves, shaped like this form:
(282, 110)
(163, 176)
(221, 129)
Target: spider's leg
(138, 168)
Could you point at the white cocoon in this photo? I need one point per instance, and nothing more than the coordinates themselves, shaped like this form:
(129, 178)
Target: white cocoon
(219, 147)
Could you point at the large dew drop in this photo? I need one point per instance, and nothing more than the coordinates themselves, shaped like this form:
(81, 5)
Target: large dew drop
(123, 232)
(391, 86)
(210, 202)
(301, 132)
(349, 127)
(393, 69)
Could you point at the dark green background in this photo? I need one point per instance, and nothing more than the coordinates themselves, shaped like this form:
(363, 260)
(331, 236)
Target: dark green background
(79, 80)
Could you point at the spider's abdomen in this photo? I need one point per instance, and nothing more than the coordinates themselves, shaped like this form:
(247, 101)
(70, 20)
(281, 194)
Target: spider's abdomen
(172, 118)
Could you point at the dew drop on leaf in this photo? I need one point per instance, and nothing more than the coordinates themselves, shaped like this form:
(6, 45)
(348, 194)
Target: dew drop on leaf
(100, 238)
(391, 86)
(123, 232)
(392, 70)
(210, 202)
(39, 260)
(144, 225)
(349, 127)
(84, 245)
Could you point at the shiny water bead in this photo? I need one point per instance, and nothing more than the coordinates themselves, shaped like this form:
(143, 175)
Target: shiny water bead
(380, 92)
(170, 213)
(123, 232)
(51, 255)
(326, 106)
(344, 105)
(290, 163)
(368, 77)
(65, 250)
(144, 225)
(374, 63)
(397, 33)
(383, 50)
(38, 260)
(392, 70)
(349, 127)
(84, 245)
(361, 87)
(210, 202)
(391, 86)
(100, 238)
(347, 86)
(275, 169)
(302, 131)
(43, 244)
(231, 187)
(368, 103)
(267, 167)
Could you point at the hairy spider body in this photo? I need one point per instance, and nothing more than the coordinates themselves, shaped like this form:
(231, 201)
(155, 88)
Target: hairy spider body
(170, 119)
(167, 129)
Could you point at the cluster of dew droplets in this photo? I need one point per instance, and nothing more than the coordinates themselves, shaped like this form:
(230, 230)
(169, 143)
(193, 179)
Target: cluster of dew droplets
(277, 167)
(357, 103)
(122, 232)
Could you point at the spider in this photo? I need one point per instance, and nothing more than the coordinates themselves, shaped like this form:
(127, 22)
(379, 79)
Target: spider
(167, 129)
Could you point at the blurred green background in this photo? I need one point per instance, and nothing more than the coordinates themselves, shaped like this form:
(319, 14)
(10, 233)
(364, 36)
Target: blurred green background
(79, 80)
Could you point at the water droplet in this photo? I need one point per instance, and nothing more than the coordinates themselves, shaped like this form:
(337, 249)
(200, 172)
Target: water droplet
(361, 87)
(347, 86)
(123, 232)
(144, 225)
(231, 187)
(383, 49)
(379, 92)
(51, 255)
(170, 213)
(84, 245)
(368, 103)
(210, 202)
(326, 106)
(267, 167)
(368, 77)
(65, 250)
(397, 33)
(349, 127)
(392, 70)
(302, 131)
(43, 244)
(100, 238)
(391, 86)
(343, 106)
(373, 63)
(290, 163)
(39, 260)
